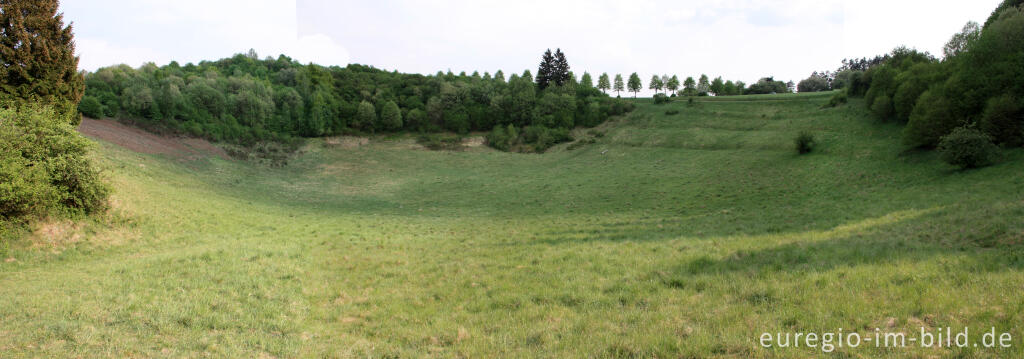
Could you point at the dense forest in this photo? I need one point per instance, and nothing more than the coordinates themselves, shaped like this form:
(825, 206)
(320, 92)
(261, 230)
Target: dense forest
(244, 99)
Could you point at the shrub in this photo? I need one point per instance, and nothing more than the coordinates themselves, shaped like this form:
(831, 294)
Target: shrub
(1003, 119)
(499, 138)
(672, 112)
(43, 165)
(813, 84)
(837, 99)
(932, 117)
(91, 107)
(804, 142)
(967, 148)
(543, 138)
(441, 142)
(660, 98)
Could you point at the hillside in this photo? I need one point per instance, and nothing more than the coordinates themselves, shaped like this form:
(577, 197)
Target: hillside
(685, 235)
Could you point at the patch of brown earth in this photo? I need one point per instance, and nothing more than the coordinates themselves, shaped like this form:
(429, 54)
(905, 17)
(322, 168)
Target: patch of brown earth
(138, 140)
(347, 142)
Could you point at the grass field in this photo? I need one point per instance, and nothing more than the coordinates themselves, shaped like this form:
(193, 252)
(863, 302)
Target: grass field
(684, 235)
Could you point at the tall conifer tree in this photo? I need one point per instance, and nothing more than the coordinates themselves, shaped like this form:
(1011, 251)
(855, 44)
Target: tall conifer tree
(37, 55)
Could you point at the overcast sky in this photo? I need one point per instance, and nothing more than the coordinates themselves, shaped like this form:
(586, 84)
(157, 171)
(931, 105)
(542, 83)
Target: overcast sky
(736, 39)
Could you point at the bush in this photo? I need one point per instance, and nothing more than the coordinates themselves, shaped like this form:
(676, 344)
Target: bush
(932, 117)
(804, 142)
(672, 112)
(967, 148)
(43, 166)
(500, 138)
(1003, 119)
(660, 98)
(91, 107)
(543, 138)
(813, 84)
(837, 99)
(441, 142)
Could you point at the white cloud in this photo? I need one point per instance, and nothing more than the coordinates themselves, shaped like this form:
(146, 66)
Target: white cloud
(96, 53)
(139, 31)
(318, 48)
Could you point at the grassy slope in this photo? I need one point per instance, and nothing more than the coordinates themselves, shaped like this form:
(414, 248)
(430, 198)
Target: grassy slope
(689, 236)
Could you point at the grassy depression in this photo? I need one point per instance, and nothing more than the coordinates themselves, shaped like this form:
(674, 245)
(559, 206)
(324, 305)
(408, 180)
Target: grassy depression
(685, 235)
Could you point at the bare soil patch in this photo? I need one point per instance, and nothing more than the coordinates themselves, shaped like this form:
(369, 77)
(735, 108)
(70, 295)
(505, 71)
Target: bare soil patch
(138, 140)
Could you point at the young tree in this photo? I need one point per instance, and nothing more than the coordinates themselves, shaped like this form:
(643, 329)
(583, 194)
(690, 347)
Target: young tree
(656, 84)
(703, 86)
(690, 86)
(603, 83)
(619, 86)
(664, 81)
(366, 117)
(391, 116)
(586, 80)
(729, 88)
(672, 84)
(717, 86)
(962, 40)
(37, 56)
(634, 84)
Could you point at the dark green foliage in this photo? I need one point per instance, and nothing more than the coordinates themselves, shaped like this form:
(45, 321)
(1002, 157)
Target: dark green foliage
(804, 142)
(911, 84)
(416, 120)
(244, 100)
(91, 107)
(1005, 5)
(767, 85)
(503, 138)
(391, 117)
(543, 138)
(634, 84)
(441, 142)
(44, 167)
(553, 70)
(839, 98)
(672, 112)
(660, 98)
(966, 147)
(931, 119)
(1003, 119)
(366, 117)
(978, 85)
(37, 57)
(815, 83)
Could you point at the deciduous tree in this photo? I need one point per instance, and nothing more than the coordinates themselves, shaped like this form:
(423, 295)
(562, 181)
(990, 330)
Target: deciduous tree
(634, 84)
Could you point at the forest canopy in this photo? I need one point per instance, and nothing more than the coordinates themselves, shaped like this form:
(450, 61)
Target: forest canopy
(245, 99)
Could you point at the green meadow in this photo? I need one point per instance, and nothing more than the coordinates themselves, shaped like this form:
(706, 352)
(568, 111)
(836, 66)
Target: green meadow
(684, 235)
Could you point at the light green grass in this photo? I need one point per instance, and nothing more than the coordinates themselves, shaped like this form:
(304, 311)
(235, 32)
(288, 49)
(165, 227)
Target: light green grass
(672, 236)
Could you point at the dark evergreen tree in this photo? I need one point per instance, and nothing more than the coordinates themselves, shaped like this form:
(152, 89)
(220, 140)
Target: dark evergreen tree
(560, 74)
(37, 56)
(544, 71)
